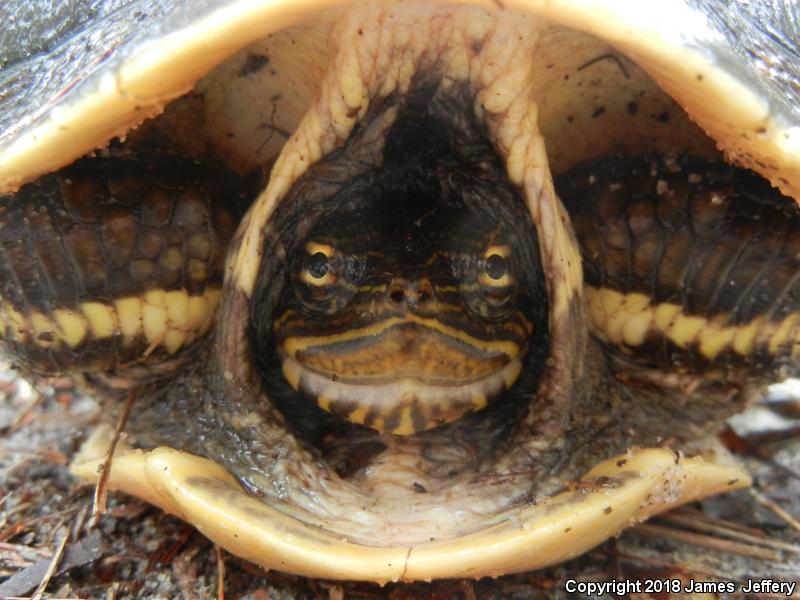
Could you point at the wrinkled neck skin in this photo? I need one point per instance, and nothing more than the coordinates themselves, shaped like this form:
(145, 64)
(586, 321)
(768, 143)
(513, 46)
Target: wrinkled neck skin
(463, 476)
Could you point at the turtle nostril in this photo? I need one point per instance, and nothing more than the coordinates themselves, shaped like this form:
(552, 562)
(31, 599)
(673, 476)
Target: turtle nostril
(411, 292)
(424, 291)
(397, 290)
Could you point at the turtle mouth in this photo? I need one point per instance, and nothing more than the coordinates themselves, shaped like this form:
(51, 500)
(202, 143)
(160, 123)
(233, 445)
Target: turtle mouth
(404, 350)
(482, 495)
(404, 404)
(404, 379)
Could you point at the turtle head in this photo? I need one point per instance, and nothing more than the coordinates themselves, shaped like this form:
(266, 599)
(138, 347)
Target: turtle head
(413, 294)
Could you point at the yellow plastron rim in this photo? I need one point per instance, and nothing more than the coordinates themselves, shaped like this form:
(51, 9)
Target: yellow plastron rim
(616, 493)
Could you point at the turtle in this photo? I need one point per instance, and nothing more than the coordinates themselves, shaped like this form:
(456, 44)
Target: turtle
(405, 290)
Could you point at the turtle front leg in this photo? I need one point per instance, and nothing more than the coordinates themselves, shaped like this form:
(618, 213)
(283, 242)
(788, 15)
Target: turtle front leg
(114, 263)
(692, 276)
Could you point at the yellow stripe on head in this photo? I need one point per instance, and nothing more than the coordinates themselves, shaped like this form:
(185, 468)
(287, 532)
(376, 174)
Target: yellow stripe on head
(293, 345)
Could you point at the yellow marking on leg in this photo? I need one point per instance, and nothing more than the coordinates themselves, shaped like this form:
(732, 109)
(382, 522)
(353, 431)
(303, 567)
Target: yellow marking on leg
(45, 332)
(197, 309)
(172, 319)
(664, 315)
(636, 327)
(781, 335)
(636, 303)
(614, 325)
(174, 340)
(610, 301)
(72, 325)
(102, 319)
(212, 296)
(631, 305)
(744, 340)
(715, 340)
(154, 317)
(17, 323)
(177, 309)
(595, 309)
(685, 329)
(629, 318)
(129, 313)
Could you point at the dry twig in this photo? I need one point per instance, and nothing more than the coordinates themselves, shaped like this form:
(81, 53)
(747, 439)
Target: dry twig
(709, 526)
(101, 489)
(707, 541)
(775, 508)
(64, 536)
(220, 573)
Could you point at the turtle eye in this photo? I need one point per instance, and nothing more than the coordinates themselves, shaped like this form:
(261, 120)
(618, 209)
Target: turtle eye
(324, 278)
(496, 266)
(318, 266)
(487, 282)
(495, 269)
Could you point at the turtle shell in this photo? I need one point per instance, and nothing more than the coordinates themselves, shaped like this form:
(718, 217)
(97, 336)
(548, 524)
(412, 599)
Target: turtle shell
(75, 78)
(702, 78)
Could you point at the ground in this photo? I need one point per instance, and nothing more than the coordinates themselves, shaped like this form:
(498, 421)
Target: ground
(50, 548)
